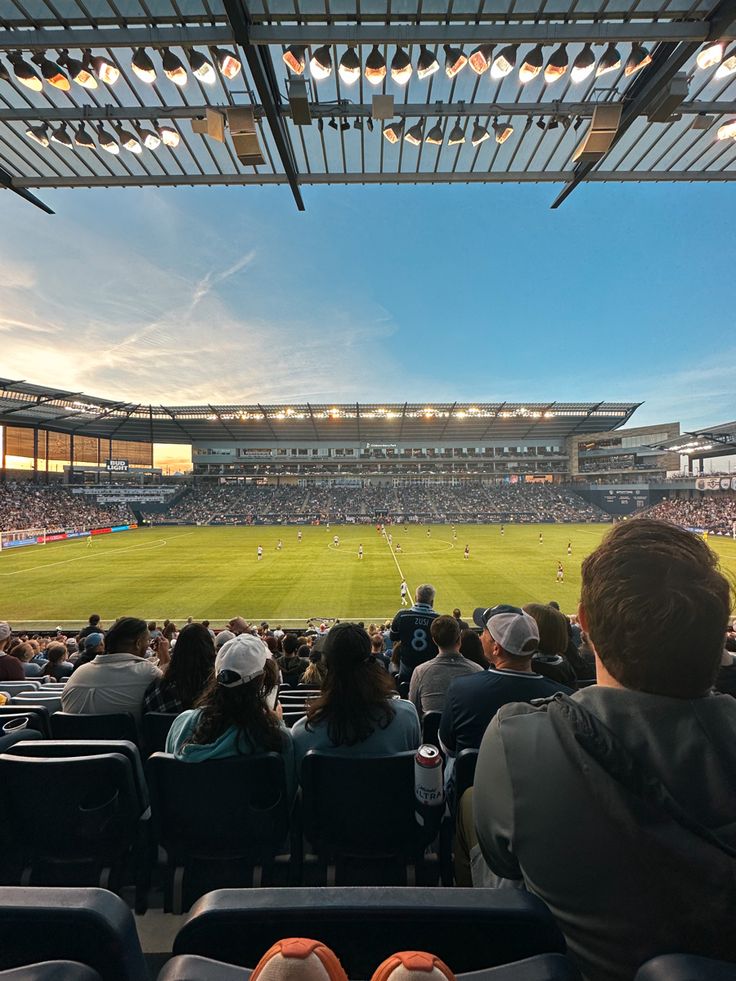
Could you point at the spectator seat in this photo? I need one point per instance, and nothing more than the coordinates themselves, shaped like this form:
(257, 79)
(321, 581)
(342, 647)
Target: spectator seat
(219, 821)
(685, 967)
(470, 929)
(51, 971)
(88, 926)
(116, 725)
(18, 687)
(37, 715)
(431, 728)
(51, 702)
(465, 764)
(156, 727)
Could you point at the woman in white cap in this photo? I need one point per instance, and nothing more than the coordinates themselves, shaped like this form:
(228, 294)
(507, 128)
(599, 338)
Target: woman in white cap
(233, 717)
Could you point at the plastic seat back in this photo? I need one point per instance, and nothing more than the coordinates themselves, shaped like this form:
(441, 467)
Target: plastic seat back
(18, 687)
(156, 727)
(37, 715)
(51, 702)
(431, 728)
(51, 971)
(685, 967)
(465, 764)
(116, 725)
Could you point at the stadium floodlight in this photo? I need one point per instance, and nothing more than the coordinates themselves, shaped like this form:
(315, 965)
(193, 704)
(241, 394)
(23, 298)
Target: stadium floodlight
(427, 63)
(584, 64)
(401, 67)
(320, 66)
(25, 73)
(609, 62)
(60, 136)
(151, 139)
(638, 59)
(505, 61)
(502, 131)
(375, 66)
(557, 65)
(4, 73)
(710, 54)
(83, 139)
(349, 67)
(52, 73)
(480, 58)
(105, 70)
(143, 66)
(169, 135)
(202, 68)
(107, 142)
(435, 135)
(728, 65)
(727, 131)
(393, 131)
(79, 70)
(129, 140)
(480, 134)
(415, 133)
(39, 134)
(174, 69)
(295, 58)
(457, 136)
(532, 65)
(227, 62)
(455, 60)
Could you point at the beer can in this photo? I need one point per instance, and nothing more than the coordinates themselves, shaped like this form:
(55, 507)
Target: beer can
(428, 780)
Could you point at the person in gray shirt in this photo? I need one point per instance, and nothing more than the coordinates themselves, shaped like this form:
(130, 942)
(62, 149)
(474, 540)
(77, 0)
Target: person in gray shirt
(430, 681)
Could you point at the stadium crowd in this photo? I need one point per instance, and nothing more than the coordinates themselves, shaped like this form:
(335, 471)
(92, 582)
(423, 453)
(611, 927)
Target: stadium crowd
(53, 507)
(713, 512)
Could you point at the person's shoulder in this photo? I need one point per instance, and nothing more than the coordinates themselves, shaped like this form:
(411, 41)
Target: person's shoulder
(470, 682)
(405, 711)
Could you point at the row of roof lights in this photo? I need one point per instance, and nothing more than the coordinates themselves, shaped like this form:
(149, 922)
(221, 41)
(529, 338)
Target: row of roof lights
(86, 71)
(480, 60)
(428, 413)
(393, 132)
(133, 139)
(714, 53)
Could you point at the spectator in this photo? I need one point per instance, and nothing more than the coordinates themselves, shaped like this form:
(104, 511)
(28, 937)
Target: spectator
(471, 648)
(93, 626)
(117, 680)
(410, 628)
(510, 638)
(632, 776)
(293, 664)
(232, 717)
(430, 681)
(461, 623)
(238, 626)
(356, 713)
(316, 671)
(222, 638)
(25, 654)
(94, 644)
(726, 677)
(186, 675)
(170, 633)
(10, 667)
(57, 667)
(553, 638)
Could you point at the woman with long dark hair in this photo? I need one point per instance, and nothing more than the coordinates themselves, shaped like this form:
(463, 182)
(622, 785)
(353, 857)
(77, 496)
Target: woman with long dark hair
(57, 666)
(357, 713)
(186, 675)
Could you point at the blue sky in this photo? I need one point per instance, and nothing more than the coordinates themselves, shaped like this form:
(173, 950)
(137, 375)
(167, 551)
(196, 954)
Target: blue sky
(381, 293)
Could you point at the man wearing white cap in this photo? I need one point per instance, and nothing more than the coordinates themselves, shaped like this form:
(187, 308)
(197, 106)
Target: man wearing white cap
(510, 638)
(10, 667)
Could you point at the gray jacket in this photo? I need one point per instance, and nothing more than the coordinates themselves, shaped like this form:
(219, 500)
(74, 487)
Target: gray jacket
(591, 833)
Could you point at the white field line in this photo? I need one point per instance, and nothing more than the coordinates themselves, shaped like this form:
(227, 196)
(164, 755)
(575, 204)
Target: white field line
(159, 543)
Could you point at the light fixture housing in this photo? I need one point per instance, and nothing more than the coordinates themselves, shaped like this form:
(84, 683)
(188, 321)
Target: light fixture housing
(393, 131)
(228, 63)
(143, 66)
(710, 54)
(169, 135)
(584, 64)
(202, 68)
(610, 61)
(505, 61)
(727, 131)
(129, 140)
(557, 65)
(532, 64)
(638, 59)
(480, 134)
(174, 69)
(415, 133)
(83, 139)
(295, 59)
(151, 140)
(39, 134)
(728, 65)
(25, 73)
(107, 142)
(427, 63)
(455, 60)
(79, 70)
(320, 66)
(401, 67)
(502, 131)
(60, 136)
(349, 67)
(375, 66)
(105, 70)
(457, 136)
(435, 135)
(52, 73)
(480, 58)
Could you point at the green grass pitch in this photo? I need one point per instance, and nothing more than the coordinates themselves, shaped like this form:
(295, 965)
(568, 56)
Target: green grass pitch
(213, 572)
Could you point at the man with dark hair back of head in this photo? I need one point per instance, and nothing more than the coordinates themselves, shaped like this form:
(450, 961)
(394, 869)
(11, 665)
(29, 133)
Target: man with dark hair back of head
(93, 626)
(117, 680)
(410, 628)
(430, 681)
(633, 776)
(456, 613)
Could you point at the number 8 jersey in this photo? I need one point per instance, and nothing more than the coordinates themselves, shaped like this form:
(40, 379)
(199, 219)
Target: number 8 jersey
(411, 629)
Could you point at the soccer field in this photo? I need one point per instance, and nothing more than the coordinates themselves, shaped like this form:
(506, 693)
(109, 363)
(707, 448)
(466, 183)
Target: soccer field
(214, 572)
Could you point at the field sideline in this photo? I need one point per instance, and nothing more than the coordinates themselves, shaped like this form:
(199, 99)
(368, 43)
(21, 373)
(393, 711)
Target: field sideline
(213, 572)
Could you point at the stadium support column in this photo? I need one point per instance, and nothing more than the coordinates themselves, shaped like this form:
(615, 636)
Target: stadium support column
(3, 437)
(35, 454)
(46, 454)
(71, 458)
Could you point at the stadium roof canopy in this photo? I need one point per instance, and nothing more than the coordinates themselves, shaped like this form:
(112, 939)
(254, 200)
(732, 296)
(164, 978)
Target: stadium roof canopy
(520, 119)
(23, 404)
(707, 443)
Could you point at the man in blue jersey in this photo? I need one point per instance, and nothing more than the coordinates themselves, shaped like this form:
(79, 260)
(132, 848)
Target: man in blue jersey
(411, 629)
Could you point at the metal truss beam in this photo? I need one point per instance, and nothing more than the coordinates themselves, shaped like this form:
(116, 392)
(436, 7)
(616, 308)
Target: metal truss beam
(408, 109)
(470, 177)
(267, 86)
(10, 183)
(350, 33)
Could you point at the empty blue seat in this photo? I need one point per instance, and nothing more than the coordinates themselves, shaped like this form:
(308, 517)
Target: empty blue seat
(685, 967)
(51, 971)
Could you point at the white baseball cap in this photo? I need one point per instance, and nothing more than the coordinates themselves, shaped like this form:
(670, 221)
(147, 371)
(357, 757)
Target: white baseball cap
(240, 660)
(5, 630)
(510, 627)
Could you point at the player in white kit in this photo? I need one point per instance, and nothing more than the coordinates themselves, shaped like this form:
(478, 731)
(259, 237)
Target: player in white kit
(360, 551)
(298, 536)
(569, 548)
(560, 573)
(336, 541)
(279, 545)
(466, 553)
(260, 552)
(404, 593)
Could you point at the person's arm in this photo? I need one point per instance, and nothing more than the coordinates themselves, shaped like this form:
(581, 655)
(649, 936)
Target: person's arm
(415, 696)
(493, 805)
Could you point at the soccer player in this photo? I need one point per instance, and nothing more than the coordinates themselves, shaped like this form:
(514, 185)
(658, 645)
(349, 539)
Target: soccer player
(569, 548)
(541, 538)
(398, 546)
(404, 593)
(336, 541)
(503, 531)
(429, 532)
(260, 552)
(89, 541)
(360, 551)
(299, 536)
(466, 553)
(279, 545)
(390, 538)
(560, 573)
